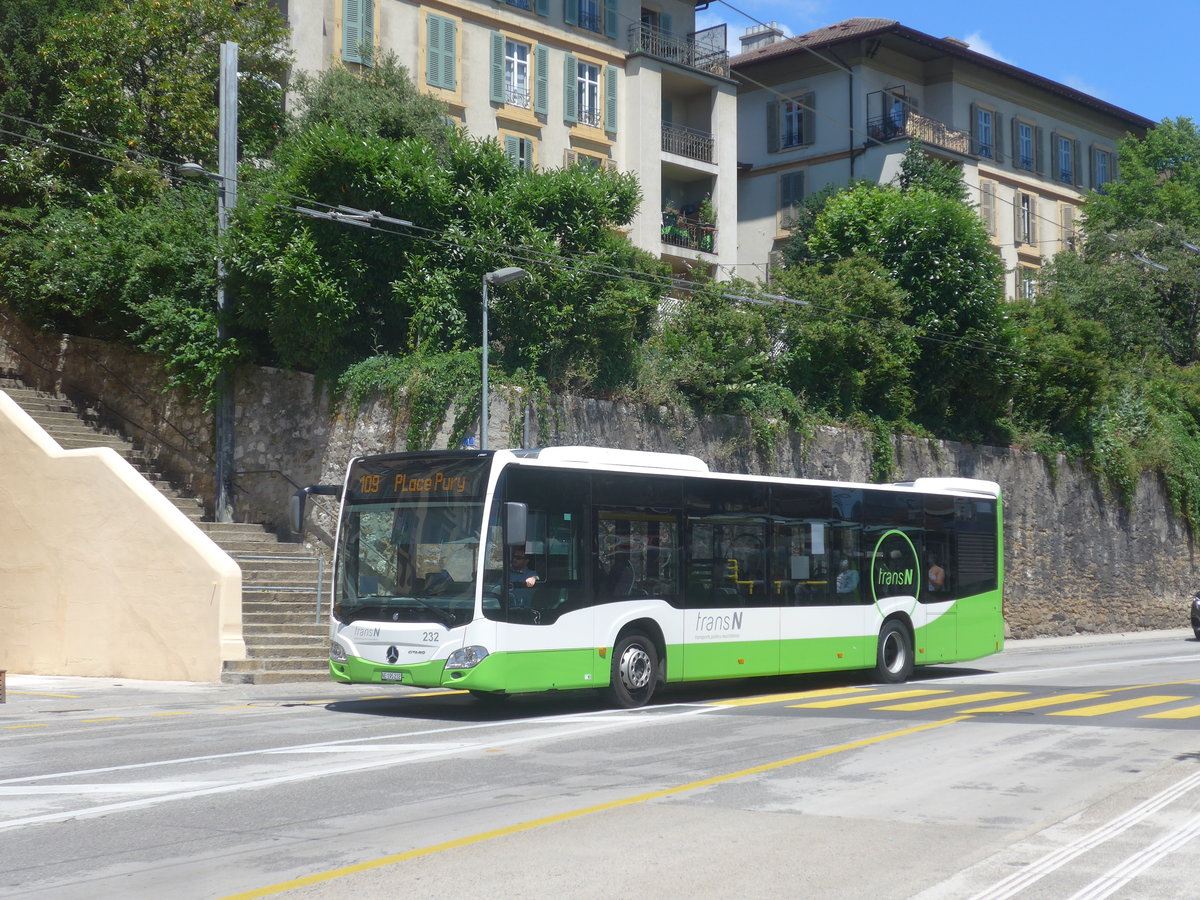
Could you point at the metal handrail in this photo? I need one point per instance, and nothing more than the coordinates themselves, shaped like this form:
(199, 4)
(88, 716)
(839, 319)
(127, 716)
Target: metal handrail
(648, 39)
(689, 142)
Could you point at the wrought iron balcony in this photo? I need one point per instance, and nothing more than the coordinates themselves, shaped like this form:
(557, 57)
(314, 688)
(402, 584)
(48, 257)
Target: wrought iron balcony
(704, 50)
(589, 115)
(516, 96)
(914, 126)
(687, 142)
(681, 231)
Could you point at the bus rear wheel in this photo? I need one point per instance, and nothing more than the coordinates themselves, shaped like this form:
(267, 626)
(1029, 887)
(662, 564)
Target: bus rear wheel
(894, 655)
(633, 675)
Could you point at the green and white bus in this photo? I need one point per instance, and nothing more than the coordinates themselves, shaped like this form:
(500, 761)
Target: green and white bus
(644, 568)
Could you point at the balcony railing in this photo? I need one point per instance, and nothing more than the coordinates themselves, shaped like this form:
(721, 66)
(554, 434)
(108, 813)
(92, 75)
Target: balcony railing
(698, 51)
(589, 115)
(914, 126)
(687, 142)
(681, 231)
(516, 96)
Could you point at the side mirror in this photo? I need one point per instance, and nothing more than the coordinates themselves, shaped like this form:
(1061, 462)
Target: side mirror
(300, 498)
(516, 523)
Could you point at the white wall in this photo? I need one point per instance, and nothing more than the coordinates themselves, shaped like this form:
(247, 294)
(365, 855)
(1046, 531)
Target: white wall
(100, 575)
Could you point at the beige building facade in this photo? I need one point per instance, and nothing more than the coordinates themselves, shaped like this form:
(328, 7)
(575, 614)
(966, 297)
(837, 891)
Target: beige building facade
(563, 82)
(843, 103)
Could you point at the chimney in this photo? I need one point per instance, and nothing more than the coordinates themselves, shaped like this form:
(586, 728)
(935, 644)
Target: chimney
(761, 36)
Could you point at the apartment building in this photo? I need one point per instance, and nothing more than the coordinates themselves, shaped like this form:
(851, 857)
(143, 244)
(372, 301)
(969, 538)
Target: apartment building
(561, 82)
(843, 102)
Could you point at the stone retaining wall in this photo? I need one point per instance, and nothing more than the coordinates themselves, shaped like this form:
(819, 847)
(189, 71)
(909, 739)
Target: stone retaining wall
(1077, 561)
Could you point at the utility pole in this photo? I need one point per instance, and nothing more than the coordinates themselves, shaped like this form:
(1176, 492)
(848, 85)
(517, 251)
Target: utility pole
(227, 135)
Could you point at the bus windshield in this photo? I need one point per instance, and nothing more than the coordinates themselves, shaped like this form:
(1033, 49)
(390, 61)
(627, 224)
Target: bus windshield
(408, 540)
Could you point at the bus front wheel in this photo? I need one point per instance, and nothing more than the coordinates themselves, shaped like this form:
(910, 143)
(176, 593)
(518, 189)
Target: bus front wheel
(633, 675)
(894, 656)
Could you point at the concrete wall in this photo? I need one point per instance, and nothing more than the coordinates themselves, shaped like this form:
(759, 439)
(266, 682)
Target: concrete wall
(1077, 561)
(99, 574)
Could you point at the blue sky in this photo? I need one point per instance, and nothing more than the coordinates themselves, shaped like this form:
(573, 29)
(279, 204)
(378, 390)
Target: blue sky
(1139, 56)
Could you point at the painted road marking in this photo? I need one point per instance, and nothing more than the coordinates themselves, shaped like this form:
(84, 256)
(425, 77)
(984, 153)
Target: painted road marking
(783, 698)
(952, 701)
(1103, 709)
(577, 813)
(859, 701)
(1039, 703)
(1183, 712)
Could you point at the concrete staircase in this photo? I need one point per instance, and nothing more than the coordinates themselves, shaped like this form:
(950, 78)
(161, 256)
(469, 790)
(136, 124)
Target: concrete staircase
(287, 635)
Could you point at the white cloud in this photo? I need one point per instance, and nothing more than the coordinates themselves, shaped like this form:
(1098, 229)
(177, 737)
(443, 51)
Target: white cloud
(980, 45)
(1087, 87)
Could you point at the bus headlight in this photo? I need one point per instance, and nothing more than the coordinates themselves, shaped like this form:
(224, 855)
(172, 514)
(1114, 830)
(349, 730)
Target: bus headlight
(337, 652)
(467, 657)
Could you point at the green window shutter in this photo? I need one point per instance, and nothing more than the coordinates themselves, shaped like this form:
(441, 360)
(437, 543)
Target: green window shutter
(773, 126)
(974, 129)
(512, 149)
(541, 81)
(351, 30)
(810, 118)
(571, 12)
(368, 33)
(1076, 168)
(433, 51)
(610, 99)
(997, 138)
(1039, 155)
(610, 19)
(449, 62)
(527, 154)
(497, 76)
(440, 34)
(1015, 136)
(541, 7)
(570, 88)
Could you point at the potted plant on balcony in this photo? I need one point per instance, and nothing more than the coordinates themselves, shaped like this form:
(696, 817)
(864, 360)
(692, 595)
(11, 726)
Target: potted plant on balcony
(673, 229)
(707, 225)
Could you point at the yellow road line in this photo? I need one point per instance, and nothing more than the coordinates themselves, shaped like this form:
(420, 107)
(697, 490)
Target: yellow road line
(30, 725)
(1039, 703)
(952, 701)
(41, 694)
(783, 698)
(859, 701)
(1103, 709)
(178, 712)
(109, 719)
(577, 813)
(1184, 712)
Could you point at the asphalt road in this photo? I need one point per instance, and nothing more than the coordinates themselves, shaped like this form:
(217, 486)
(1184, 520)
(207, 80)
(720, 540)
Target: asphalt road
(1061, 768)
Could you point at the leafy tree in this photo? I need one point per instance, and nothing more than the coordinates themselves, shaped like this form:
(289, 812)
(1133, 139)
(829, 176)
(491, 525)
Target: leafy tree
(320, 295)
(920, 170)
(850, 351)
(1159, 182)
(936, 249)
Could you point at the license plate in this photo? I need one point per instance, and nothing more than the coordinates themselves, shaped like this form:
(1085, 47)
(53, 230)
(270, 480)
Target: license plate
(391, 676)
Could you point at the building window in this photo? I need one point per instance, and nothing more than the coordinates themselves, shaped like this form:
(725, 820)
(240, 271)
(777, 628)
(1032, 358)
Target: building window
(516, 74)
(790, 123)
(1069, 240)
(1102, 168)
(791, 195)
(588, 92)
(1025, 145)
(1027, 280)
(1066, 159)
(358, 31)
(589, 14)
(985, 137)
(440, 52)
(519, 150)
(1025, 224)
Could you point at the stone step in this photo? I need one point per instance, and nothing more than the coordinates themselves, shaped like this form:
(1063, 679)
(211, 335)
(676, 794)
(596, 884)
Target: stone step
(306, 629)
(307, 641)
(280, 677)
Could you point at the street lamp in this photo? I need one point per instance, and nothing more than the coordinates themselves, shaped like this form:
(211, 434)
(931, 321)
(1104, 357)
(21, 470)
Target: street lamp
(499, 276)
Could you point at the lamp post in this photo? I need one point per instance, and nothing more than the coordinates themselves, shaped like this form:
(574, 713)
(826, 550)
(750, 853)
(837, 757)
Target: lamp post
(499, 276)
